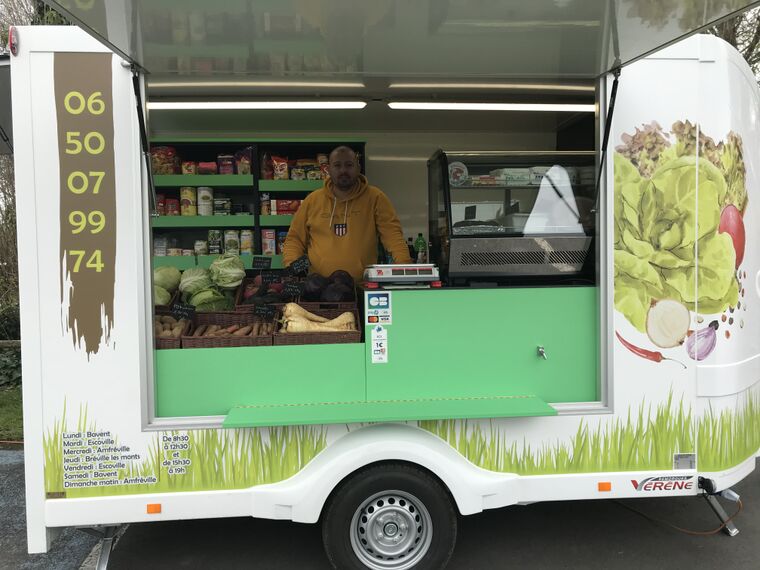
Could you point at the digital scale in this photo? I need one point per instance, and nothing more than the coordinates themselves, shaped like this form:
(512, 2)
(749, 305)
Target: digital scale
(411, 276)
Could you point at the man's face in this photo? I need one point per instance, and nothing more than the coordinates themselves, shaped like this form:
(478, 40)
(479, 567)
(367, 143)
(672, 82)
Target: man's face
(343, 169)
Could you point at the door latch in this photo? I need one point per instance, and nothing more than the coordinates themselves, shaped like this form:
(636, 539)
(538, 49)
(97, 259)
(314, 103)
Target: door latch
(541, 352)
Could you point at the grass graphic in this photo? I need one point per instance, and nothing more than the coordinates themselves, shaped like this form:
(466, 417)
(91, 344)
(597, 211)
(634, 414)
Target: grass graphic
(219, 459)
(728, 439)
(644, 441)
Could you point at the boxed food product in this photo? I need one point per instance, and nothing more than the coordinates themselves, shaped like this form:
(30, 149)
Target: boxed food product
(298, 173)
(188, 252)
(281, 236)
(214, 242)
(207, 168)
(266, 204)
(280, 167)
(483, 180)
(232, 242)
(537, 173)
(268, 242)
(246, 242)
(174, 251)
(284, 207)
(315, 174)
(172, 207)
(243, 160)
(225, 164)
(222, 206)
(161, 204)
(512, 176)
(201, 247)
(164, 160)
(160, 245)
(189, 167)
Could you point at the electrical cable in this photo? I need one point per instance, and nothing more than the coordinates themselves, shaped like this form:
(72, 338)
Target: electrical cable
(684, 530)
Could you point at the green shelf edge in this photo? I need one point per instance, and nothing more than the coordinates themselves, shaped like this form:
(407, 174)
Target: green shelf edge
(183, 262)
(275, 220)
(203, 221)
(213, 180)
(290, 185)
(253, 139)
(387, 411)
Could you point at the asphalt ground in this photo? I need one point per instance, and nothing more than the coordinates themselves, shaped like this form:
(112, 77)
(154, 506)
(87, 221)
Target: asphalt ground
(583, 534)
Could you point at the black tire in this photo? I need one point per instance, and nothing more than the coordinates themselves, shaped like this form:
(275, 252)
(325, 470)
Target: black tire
(394, 482)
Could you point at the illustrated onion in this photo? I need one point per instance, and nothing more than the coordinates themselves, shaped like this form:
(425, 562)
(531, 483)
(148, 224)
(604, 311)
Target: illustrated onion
(667, 323)
(701, 343)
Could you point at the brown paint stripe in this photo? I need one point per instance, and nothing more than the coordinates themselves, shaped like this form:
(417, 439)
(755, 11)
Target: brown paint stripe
(89, 314)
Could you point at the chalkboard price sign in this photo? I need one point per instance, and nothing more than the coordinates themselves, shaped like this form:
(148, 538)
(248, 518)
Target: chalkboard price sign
(268, 277)
(183, 311)
(293, 289)
(265, 311)
(263, 262)
(300, 266)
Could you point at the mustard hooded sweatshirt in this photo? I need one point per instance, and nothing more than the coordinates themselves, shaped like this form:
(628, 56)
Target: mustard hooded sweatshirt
(342, 233)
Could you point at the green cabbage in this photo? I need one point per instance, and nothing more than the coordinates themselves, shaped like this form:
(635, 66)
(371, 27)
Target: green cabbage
(193, 280)
(161, 296)
(658, 223)
(227, 271)
(208, 300)
(167, 277)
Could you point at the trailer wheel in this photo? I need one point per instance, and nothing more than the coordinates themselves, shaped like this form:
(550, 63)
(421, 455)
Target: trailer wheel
(390, 517)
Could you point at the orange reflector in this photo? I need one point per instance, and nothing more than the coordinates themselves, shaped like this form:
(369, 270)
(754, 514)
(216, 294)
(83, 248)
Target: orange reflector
(154, 509)
(604, 486)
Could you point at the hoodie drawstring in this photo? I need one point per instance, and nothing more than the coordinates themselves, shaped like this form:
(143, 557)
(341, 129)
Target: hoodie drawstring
(335, 203)
(345, 212)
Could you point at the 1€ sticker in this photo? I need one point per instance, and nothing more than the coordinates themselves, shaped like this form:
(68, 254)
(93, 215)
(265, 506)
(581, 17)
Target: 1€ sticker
(379, 345)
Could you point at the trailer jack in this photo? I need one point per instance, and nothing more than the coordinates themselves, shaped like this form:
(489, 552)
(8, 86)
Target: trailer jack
(108, 536)
(710, 496)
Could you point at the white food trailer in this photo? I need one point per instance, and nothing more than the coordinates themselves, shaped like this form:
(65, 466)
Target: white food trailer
(661, 398)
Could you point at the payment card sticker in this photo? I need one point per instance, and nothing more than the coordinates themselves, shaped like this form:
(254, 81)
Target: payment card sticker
(378, 308)
(379, 345)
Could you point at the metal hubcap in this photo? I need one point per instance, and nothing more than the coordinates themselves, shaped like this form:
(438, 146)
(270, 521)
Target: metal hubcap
(391, 530)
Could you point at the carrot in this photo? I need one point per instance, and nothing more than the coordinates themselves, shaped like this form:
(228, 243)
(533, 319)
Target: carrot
(293, 310)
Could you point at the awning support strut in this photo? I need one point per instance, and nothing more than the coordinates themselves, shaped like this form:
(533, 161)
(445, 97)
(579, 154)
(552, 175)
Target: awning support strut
(144, 139)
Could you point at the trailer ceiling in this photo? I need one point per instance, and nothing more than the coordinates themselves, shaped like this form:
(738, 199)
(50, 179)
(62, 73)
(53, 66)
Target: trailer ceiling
(196, 47)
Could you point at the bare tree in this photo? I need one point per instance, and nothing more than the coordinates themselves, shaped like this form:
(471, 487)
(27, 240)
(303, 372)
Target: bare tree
(743, 32)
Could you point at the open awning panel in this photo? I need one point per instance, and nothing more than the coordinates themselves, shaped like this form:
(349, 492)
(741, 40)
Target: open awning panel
(541, 39)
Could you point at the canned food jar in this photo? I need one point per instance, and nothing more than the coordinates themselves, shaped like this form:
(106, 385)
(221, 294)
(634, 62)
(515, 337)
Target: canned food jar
(246, 242)
(266, 204)
(201, 247)
(188, 252)
(232, 242)
(172, 207)
(205, 201)
(174, 251)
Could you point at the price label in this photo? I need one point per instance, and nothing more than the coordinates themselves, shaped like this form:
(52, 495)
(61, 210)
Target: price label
(183, 311)
(85, 135)
(268, 277)
(265, 311)
(293, 289)
(300, 266)
(261, 262)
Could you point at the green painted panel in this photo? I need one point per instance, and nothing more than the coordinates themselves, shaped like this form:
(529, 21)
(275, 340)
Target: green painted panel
(289, 185)
(387, 411)
(239, 221)
(212, 381)
(451, 343)
(181, 262)
(275, 220)
(214, 180)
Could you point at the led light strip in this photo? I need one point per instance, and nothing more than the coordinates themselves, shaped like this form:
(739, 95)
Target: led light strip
(502, 86)
(252, 105)
(557, 107)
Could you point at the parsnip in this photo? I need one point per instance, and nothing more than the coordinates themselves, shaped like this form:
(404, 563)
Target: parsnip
(303, 325)
(200, 330)
(169, 320)
(293, 310)
(344, 320)
(242, 331)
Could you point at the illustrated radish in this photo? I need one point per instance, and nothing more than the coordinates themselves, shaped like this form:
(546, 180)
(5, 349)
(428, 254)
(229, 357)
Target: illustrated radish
(731, 223)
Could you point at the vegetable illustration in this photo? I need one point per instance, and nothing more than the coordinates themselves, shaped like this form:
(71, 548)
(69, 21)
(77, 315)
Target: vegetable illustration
(660, 224)
(701, 343)
(731, 222)
(644, 353)
(667, 323)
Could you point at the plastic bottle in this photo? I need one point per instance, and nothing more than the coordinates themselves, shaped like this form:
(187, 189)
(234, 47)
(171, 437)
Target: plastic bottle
(410, 245)
(420, 248)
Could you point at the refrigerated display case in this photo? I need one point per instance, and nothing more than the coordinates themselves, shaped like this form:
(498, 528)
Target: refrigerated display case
(512, 216)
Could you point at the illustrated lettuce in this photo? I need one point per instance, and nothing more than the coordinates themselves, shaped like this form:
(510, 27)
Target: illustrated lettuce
(666, 240)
